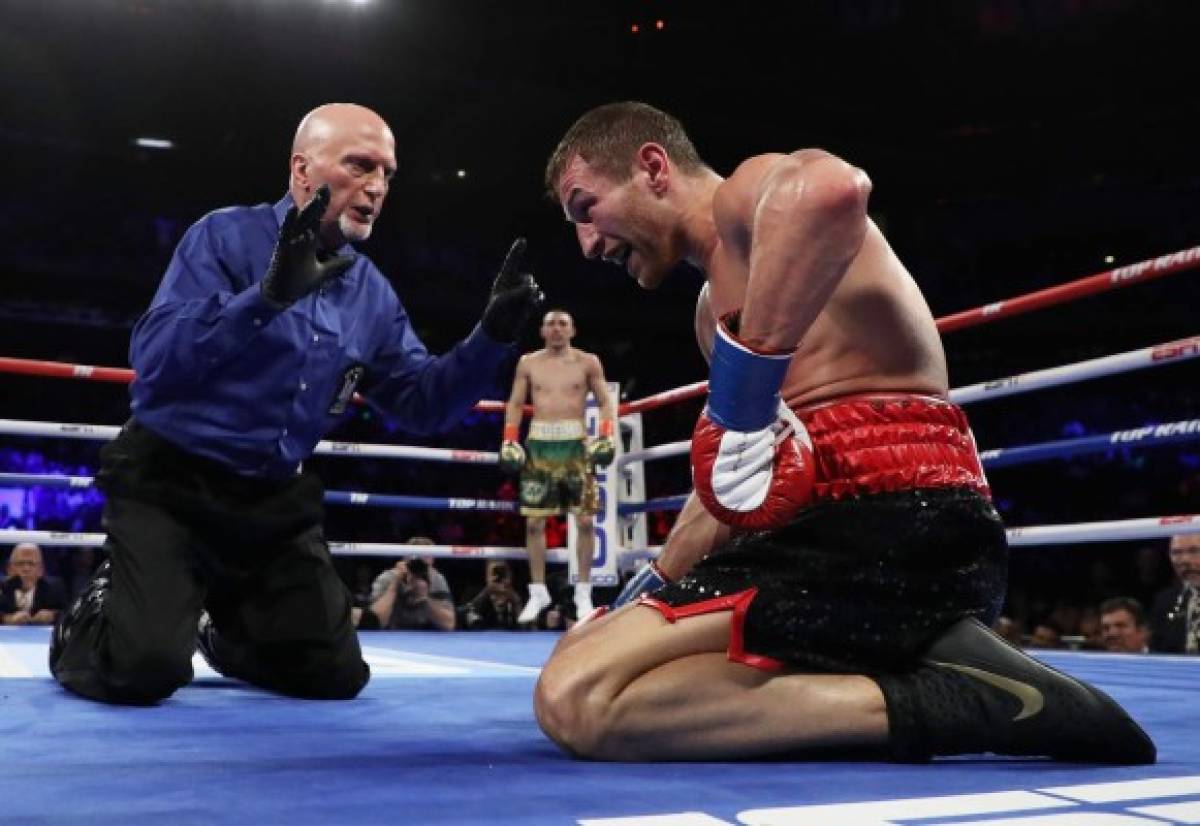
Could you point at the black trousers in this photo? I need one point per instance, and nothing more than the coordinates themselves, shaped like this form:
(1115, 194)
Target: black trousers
(186, 534)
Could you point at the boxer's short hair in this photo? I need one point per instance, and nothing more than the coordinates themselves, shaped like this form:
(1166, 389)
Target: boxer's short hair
(608, 136)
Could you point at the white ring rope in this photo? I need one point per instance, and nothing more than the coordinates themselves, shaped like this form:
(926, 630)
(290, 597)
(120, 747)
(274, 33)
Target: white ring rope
(1169, 353)
(1154, 356)
(657, 452)
(1121, 530)
(99, 432)
(95, 540)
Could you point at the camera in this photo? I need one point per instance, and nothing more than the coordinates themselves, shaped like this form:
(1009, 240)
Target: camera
(418, 568)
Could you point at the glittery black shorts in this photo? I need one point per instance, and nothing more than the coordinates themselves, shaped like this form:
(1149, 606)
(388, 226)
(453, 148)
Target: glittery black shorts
(853, 586)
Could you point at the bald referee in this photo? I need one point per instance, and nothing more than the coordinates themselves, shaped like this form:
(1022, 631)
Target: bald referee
(264, 325)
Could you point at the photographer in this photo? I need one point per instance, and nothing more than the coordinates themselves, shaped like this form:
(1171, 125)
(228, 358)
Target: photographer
(561, 613)
(496, 605)
(409, 603)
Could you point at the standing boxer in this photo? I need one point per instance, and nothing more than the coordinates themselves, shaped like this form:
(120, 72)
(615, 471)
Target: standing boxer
(558, 461)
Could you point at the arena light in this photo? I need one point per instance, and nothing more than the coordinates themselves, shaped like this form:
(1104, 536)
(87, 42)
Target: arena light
(1108, 259)
(462, 173)
(154, 143)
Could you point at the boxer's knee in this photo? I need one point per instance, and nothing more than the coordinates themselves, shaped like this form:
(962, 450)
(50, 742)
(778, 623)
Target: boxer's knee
(572, 710)
(535, 527)
(585, 522)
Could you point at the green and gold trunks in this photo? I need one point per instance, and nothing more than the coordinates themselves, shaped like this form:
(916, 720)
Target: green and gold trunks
(557, 477)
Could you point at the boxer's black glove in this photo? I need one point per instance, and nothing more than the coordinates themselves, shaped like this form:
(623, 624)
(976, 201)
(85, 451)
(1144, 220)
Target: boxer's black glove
(295, 269)
(514, 297)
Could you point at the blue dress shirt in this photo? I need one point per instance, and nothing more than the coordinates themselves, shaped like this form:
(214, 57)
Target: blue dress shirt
(224, 375)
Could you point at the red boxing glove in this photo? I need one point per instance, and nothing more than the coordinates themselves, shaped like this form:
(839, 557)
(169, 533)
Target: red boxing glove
(752, 460)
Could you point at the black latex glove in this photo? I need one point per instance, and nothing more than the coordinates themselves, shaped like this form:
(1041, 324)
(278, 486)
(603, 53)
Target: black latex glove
(515, 295)
(295, 270)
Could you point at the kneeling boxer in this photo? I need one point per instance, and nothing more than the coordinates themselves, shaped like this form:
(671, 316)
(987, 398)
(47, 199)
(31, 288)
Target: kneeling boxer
(849, 606)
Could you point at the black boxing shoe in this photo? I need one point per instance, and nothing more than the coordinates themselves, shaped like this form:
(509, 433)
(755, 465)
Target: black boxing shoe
(975, 692)
(87, 608)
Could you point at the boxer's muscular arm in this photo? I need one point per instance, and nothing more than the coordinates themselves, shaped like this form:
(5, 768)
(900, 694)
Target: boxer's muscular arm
(696, 534)
(599, 388)
(798, 220)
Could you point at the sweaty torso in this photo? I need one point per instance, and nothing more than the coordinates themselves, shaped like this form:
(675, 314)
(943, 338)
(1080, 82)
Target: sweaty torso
(875, 334)
(558, 384)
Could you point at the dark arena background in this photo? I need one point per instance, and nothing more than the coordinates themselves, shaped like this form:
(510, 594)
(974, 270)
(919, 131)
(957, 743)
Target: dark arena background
(1013, 145)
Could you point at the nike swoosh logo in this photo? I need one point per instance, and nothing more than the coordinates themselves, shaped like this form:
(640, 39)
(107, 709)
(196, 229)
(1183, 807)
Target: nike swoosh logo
(1031, 699)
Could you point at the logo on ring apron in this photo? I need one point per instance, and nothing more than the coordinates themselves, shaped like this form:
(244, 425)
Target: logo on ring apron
(350, 380)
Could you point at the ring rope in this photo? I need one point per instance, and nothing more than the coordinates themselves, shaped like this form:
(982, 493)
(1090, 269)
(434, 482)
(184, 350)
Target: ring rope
(1156, 355)
(661, 503)
(1122, 530)
(332, 497)
(65, 539)
(663, 451)
(124, 375)
(1171, 352)
(1137, 273)
(1187, 430)
(1144, 358)
(100, 432)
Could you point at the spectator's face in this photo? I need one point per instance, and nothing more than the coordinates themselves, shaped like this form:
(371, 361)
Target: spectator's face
(26, 563)
(1185, 558)
(1121, 633)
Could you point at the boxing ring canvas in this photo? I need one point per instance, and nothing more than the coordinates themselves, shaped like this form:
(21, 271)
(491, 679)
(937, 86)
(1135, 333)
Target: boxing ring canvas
(445, 733)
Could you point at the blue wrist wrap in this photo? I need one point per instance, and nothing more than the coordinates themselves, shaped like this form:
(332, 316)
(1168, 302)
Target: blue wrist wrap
(743, 386)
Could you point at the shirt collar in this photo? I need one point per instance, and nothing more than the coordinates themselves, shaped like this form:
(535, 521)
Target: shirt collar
(285, 203)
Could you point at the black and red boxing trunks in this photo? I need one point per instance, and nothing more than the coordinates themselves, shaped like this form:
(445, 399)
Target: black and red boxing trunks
(900, 541)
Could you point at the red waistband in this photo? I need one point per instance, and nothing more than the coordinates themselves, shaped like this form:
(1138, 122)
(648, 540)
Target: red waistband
(891, 442)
